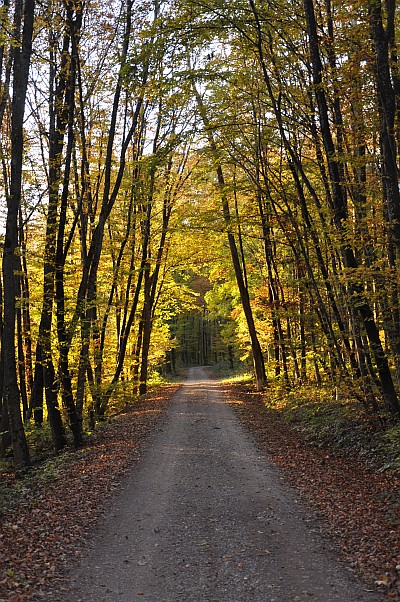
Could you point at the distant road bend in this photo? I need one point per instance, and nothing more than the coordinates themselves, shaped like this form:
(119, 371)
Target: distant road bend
(205, 517)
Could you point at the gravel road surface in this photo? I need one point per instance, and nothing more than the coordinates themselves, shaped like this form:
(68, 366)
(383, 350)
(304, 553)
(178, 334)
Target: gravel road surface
(205, 517)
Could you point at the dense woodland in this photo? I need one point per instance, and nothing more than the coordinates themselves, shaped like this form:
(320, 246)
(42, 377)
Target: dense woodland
(193, 182)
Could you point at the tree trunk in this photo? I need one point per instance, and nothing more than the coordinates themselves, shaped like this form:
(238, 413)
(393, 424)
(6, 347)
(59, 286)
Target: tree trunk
(340, 215)
(24, 14)
(5, 435)
(146, 317)
(258, 360)
(74, 21)
(387, 104)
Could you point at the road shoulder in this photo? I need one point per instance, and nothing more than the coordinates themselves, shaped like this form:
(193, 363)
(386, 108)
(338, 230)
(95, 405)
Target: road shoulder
(360, 509)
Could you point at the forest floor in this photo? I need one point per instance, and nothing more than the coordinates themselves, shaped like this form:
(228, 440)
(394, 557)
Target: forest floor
(47, 514)
(45, 518)
(359, 506)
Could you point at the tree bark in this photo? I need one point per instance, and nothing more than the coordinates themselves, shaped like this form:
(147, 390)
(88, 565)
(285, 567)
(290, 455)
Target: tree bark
(58, 120)
(387, 104)
(24, 13)
(258, 360)
(340, 216)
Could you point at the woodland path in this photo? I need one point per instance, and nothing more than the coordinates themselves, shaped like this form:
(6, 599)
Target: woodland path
(205, 517)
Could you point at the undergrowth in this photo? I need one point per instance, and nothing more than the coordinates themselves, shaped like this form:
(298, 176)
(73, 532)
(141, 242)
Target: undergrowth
(328, 417)
(232, 375)
(45, 462)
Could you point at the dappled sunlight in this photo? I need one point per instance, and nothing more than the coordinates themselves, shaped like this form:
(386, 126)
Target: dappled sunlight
(201, 383)
(141, 412)
(8, 477)
(188, 451)
(176, 451)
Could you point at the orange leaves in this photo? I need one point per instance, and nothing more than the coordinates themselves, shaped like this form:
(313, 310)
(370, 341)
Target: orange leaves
(360, 508)
(44, 524)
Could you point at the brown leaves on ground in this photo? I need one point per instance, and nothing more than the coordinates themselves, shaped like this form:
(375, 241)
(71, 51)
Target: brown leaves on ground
(44, 522)
(360, 508)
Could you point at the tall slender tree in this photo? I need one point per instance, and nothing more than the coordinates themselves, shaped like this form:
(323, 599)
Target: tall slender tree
(23, 32)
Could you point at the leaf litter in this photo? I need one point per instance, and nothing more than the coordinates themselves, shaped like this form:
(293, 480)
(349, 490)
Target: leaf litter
(359, 507)
(44, 521)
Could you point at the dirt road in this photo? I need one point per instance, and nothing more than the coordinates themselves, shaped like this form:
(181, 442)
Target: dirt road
(204, 517)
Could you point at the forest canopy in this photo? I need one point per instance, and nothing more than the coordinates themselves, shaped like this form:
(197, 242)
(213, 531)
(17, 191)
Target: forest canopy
(193, 182)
